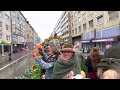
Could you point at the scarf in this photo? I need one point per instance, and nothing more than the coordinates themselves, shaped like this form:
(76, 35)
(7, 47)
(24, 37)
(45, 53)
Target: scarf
(62, 68)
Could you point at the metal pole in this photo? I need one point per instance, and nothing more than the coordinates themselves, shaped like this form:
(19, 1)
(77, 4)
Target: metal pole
(11, 32)
(2, 50)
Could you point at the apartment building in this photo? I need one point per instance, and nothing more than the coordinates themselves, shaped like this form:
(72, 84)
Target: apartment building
(57, 28)
(36, 38)
(90, 28)
(29, 39)
(19, 35)
(62, 28)
(5, 32)
(65, 26)
(75, 26)
(96, 28)
(15, 31)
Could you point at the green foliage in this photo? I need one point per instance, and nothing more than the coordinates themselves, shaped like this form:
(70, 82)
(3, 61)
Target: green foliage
(83, 67)
(31, 74)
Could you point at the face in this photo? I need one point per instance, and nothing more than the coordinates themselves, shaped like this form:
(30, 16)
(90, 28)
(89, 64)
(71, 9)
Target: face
(67, 55)
(50, 50)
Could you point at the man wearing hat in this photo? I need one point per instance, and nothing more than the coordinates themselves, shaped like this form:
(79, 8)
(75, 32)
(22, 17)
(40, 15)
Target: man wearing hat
(109, 66)
(67, 64)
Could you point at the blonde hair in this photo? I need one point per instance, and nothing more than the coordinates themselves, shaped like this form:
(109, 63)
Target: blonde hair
(110, 74)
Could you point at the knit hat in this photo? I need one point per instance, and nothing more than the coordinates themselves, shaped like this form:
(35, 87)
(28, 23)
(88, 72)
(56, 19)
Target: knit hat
(111, 57)
(67, 48)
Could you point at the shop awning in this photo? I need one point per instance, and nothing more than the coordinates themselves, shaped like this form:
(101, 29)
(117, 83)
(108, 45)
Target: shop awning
(4, 42)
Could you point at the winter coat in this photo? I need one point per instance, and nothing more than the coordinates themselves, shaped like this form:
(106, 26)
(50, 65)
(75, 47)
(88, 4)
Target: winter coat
(48, 64)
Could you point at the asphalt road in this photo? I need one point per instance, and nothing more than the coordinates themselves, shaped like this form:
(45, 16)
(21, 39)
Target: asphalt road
(5, 60)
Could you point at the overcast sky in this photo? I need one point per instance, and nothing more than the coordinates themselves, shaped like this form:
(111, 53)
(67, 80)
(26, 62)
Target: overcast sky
(42, 21)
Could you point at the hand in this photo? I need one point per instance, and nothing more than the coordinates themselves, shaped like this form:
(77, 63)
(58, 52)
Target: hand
(70, 75)
(40, 52)
(43, 50)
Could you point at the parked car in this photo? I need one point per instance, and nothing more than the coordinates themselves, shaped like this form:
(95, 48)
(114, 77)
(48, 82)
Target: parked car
(15, 50)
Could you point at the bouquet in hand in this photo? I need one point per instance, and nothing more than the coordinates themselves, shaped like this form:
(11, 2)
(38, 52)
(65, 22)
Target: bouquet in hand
(34, 55)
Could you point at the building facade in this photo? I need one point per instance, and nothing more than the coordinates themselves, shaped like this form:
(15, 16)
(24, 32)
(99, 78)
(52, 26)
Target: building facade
(102, 29)
(19, 35)
(62, 27)
(5, 32)
(90, 28)
(15, 31)
(36, 38)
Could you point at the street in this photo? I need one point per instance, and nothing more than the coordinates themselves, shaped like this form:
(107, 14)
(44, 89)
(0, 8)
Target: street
(5, 60)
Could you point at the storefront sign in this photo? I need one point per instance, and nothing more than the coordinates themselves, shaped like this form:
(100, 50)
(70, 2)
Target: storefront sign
(84, 41)
(103, 40)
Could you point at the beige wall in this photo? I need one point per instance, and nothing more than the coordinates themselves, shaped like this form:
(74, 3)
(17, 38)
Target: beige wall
(86, 16)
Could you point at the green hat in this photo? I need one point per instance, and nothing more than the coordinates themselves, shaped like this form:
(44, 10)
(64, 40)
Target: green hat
(111, 57)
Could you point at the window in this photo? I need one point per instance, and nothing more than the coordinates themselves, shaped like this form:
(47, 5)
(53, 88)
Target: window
(75, 23)
(75, 14)
(78, 12)
(75, 30)
(7, 37)
(14, 37)
(71, 17)
(6, 17)
(13, 16)
(90, 13)
(6, 27)
(18, 25)
(1, 14)
(100, 19)
(79, 19)
(91, 24)
(79, 28)
(72, 24)
(83, 13)
(0, 36)
(0, 23)
(84, 26)
(98, 34)
(112, 14)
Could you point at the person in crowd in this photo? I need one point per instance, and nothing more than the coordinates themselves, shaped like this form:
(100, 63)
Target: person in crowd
(49, 61)
(41, 55)
(88, 50)
(76, 48)
(101, 52)
(91, 62)
(67, 65)
(9, 56)
(109, 66)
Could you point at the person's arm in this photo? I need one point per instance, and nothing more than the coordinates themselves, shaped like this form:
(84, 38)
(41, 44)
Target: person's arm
(43, 64)
(45, 56)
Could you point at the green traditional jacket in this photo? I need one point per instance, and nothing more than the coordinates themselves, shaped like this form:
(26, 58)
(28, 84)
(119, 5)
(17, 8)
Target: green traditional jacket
(62, 68)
